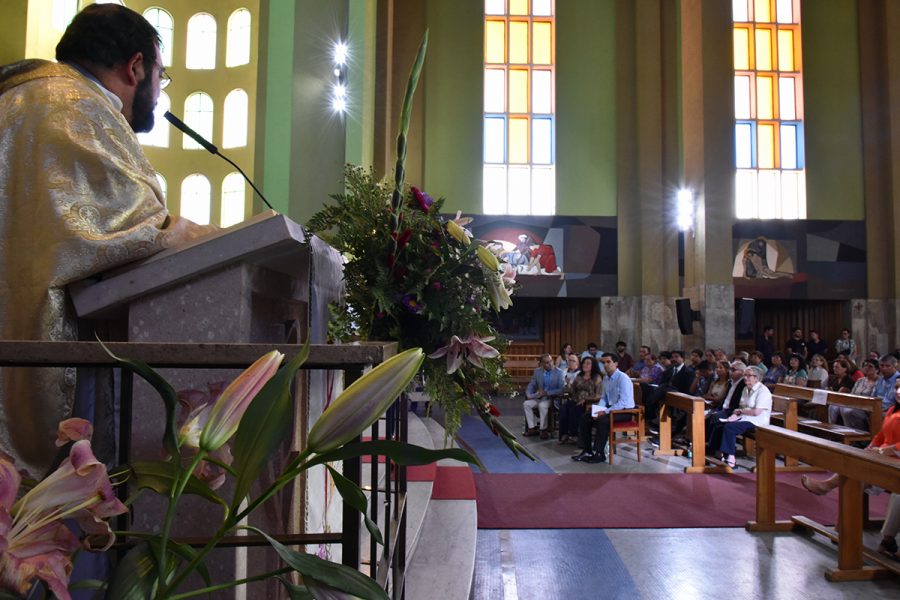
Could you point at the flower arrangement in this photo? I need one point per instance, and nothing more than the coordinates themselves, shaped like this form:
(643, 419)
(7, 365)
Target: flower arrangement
(419, 278)
(252, 416)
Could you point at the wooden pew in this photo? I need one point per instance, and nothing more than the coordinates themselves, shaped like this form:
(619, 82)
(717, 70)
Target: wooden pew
(838, 433)
(520, 370)
(855, 466)
(694, 406)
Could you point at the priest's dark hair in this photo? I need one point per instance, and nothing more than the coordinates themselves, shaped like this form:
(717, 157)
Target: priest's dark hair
(108, 35)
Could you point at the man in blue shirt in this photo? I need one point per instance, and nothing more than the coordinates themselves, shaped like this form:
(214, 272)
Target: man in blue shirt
(884, 386)
(618, 394)
(546, 384)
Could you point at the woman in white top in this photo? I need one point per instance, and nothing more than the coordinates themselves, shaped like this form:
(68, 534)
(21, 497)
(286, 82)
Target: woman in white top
(817, 371)
(755, 409)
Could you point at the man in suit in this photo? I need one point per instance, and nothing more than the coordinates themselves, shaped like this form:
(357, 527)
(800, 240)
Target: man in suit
(545, 385)
(732, 397)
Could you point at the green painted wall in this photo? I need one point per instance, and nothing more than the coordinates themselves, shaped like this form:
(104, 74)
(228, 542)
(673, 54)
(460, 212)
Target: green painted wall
(361, 74)
(13, 15)
(586, 107)
(453, 103)
(585, 96)
(834, 165)
(277, 99)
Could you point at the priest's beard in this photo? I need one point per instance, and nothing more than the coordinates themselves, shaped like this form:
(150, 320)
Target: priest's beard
(143, 106)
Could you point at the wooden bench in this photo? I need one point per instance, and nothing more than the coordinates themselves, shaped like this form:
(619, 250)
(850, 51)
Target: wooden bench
(784, 414)
(831, 431)
(694, 406)
(520, 369)
(856, 468)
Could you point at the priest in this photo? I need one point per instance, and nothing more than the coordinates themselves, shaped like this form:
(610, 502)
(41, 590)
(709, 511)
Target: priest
(77, 197)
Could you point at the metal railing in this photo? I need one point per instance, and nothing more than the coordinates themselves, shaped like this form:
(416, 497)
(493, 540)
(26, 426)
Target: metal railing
(387, 485)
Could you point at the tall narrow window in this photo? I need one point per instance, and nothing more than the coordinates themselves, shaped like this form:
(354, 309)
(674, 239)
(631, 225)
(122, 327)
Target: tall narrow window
(195, 195)
(163, 184)
(768, 110)
(519, 107)
(162, 21)
(201, 42)
(159, 135)
(237, 45)
(233, 194)
(63, 13)
(198, 114)
(234, 119)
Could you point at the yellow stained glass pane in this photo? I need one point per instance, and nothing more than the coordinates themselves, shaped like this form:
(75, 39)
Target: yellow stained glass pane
(518, 140)
(762, 11)
(518, 91)
(542, 43)
(765, 143)
(765, 99)
(495, 42)
(518, 7)
(741, 48)
(518, 42)
(785, 50)
(763, 50)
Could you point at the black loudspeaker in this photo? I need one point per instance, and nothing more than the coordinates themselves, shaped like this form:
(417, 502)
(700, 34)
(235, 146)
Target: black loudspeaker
(686, 316)
(744, 316)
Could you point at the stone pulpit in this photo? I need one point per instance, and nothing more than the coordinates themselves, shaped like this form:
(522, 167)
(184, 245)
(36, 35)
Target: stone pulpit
(263, 281)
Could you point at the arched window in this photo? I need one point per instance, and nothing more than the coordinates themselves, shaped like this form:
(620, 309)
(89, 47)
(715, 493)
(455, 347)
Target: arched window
(195, 195)
(159, 135)
(165, 26)
(768, 110)
(201, 42)
(237, 45)
(198, 114)
(233, 194)
(163, 185)
(234, 119)
(63, 13)
(519, 107)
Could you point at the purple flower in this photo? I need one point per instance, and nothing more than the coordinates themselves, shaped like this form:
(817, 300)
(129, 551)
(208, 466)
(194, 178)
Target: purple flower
(424, 200)
(411, 303)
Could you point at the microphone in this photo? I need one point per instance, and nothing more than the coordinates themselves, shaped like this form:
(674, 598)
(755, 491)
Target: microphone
(183, 128)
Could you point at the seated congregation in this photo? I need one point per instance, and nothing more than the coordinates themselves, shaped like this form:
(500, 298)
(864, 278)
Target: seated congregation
(584, 396)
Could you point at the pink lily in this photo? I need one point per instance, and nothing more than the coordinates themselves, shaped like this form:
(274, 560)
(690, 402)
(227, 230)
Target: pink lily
(35, 542)
(226, 413)
(471, 348)
(73, 430)
(196, 406)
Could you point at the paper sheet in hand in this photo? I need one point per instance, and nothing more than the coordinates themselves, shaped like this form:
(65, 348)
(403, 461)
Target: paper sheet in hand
(597, 408)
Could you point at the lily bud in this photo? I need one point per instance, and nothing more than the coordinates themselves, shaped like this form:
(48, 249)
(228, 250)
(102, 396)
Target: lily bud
(364, 401)
(458, 233)
(488, 258)
(226, 414)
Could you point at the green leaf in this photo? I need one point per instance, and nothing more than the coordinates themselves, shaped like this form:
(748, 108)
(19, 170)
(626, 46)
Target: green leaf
(355, 497)
(135, 577)
(159, 476)
(399, 452)
(166, 391)
(264, 426)
(296, 592)
(340, 577)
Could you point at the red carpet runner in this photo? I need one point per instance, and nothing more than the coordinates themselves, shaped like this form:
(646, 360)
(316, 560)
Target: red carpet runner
(450, 483)
(642, 500)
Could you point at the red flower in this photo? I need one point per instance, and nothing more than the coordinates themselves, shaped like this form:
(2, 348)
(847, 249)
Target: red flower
(424, 200)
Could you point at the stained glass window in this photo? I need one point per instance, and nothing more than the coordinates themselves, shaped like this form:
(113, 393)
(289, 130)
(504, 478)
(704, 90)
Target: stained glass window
(519, 107)
(768, 110)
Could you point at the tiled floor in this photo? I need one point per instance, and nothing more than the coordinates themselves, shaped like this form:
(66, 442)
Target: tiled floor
(575, 564)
